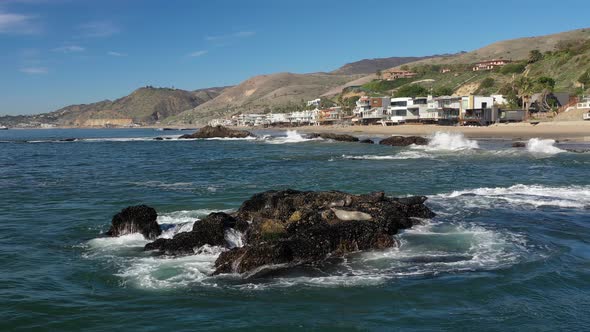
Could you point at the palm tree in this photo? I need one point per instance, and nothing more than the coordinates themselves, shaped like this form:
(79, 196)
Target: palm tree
(525, 86)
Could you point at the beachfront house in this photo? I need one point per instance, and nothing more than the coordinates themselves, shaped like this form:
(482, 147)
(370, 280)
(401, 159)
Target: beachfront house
(478, 110)
(330, 116)
(406, 109)
(371, 110)
(252, 120)
(490, 64)
(306, 117)
(277, 119)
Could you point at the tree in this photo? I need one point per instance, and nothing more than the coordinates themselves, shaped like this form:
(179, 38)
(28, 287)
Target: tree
(378, 73)
(525, 86)
(585, 78)
(534, 56)
(545, 84)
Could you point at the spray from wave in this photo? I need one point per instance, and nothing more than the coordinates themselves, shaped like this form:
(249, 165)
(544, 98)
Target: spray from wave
(441, 141)
(542, 146)
(292, 136)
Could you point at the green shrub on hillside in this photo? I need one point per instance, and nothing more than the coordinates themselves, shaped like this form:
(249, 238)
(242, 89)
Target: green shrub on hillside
(411, 90)
(513, 68)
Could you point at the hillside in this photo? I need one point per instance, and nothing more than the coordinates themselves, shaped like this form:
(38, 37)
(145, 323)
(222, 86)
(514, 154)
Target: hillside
(370, 66)
(146, 105)
(279, 92)
(563, 57)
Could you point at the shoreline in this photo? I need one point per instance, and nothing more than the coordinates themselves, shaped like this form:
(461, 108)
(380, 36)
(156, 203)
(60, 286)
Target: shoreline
(572, 131)
(578, 131)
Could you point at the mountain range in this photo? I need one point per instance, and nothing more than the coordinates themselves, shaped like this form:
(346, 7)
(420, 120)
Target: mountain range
(283, 92)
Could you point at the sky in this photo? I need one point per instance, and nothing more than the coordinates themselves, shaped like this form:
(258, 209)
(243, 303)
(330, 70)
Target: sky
(54, 53)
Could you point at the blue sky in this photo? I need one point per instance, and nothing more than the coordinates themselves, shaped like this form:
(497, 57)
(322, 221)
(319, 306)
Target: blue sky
(59, 52)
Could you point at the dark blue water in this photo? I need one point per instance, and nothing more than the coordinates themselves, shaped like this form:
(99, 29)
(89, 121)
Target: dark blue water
(508, 250)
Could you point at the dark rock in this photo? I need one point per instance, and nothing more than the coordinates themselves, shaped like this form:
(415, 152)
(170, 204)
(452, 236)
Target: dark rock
(218, 132)
(404, 140)
(578, 150)
(307, 227)
(367, 141)
(335, 137)
(136, 219)
(159, 139)
(518, 144)
(210, 230)
(68, 140)
(253, 257)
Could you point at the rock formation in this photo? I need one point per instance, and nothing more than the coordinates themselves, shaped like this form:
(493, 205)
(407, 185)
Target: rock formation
(218, 132)
(404, 140)
(136, 219)
(335, 137)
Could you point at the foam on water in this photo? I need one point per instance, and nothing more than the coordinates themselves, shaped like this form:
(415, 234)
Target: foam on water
(400, 156)
(291, 136)
(542, 146)
(519, 196)
(441, 141)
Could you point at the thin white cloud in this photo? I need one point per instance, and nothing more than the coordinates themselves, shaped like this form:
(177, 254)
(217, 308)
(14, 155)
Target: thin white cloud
(198, 53)
(244, 33)
(113, 53)
(34, 70)
(69, 49)
(99, 29)
(12, 23)
(239, 34)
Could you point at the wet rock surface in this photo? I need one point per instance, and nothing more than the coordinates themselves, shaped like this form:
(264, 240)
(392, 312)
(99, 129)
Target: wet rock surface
(289, 228)
(136, 219)
(404, 140)
(218, 132)
(335, 137)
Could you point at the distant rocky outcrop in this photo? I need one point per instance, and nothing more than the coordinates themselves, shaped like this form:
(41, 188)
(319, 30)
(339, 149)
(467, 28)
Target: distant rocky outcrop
(335, 137)
(404, 140)
(286, 228)
(136, 219)
(367, 141)
(218, 132)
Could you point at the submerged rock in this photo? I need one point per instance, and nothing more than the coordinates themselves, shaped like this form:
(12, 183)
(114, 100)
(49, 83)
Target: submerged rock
(335, 137)
(404, 140)
(68, 140)
(367, 141)
(519, 145)
(136, 219)
(218, 132)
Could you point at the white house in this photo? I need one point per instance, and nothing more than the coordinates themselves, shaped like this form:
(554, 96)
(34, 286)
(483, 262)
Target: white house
(315, 102)
(304, 117)
(276, 118)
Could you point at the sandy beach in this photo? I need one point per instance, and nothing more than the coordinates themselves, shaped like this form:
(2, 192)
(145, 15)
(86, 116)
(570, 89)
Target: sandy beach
(566, 130)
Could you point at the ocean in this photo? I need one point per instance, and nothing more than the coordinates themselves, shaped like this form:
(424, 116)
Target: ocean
(508, 250)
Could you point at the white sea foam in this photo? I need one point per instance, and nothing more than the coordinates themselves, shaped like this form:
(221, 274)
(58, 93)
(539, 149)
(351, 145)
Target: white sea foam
(399, 156)
(441, 141)
(291, 136)
(525, 195)
(542, 146)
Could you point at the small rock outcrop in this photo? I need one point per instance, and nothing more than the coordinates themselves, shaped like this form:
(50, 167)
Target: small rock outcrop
(404, 140)
(519, 145)
(335, 137)
(136, 219)
(218, 132)
(367, 141)
(285, 228)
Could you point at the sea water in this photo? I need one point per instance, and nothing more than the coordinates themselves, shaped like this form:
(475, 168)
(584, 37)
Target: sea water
(509, 248)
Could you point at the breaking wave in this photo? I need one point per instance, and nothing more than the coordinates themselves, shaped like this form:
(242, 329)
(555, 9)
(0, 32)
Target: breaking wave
(449, 142)
(520, 195)
(542, 146)
(291, 136)
(400, 156)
